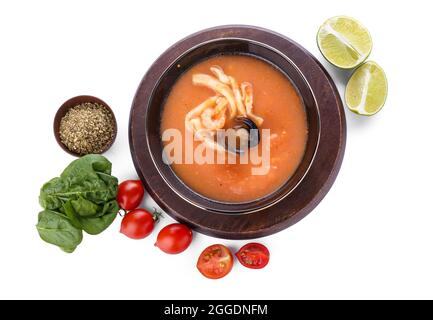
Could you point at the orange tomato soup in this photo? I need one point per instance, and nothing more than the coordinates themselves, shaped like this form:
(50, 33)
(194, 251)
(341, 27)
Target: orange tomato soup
(275, 100)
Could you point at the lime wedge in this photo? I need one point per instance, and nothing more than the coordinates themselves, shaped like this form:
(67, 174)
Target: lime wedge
(344, 42)
(367, 89)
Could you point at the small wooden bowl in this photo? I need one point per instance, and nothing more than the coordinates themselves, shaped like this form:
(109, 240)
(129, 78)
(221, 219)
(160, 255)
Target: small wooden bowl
(73, 102)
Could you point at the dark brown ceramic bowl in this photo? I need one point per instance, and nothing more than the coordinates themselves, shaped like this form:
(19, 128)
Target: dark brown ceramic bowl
(75, 101)
(229, 47)
(261, 216)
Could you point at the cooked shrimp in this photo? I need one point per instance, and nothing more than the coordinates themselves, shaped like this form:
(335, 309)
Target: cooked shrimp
(197, 111)
(213, 121)
(204, 134)
(196, 124)
(215, 118)
(219, 87)
(208, 103)
(221, 105)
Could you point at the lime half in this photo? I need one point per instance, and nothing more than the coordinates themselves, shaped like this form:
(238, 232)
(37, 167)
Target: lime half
(367, 89)
(344, 42)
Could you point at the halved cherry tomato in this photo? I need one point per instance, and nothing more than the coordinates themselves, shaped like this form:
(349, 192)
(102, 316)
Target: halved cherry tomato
(215, 261)
(130, 194)
(174, 238)
(253, 255)
(138, 223)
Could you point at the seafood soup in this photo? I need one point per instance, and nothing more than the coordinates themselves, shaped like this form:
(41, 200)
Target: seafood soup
(214, 96)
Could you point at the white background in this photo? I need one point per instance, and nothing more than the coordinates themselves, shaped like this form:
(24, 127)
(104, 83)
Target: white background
(371, 237)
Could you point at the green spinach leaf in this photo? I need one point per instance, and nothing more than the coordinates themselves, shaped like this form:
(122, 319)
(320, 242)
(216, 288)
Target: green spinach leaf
(85, 208)
(57, 229)
(82, 198)
(87, 177)
(69, 211)
(98, 224)
(92, 224)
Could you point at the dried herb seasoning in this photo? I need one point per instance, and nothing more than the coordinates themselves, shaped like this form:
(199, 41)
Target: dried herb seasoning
(87, 128)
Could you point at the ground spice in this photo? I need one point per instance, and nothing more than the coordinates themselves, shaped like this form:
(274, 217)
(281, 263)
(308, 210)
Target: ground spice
(87, 128)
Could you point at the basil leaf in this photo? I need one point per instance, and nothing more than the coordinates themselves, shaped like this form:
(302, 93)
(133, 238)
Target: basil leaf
(55, 228)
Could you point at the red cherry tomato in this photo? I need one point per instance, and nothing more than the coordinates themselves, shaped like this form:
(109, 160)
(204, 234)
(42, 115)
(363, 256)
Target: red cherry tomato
(130, 194)
(138, 223)
(253, 255)
(174, 238)
(215, 261)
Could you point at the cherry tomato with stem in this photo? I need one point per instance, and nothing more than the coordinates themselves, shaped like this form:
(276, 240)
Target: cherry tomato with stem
(215, 261)
(253, 255)
(174, 238)
(130, 194)
(139, 223)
